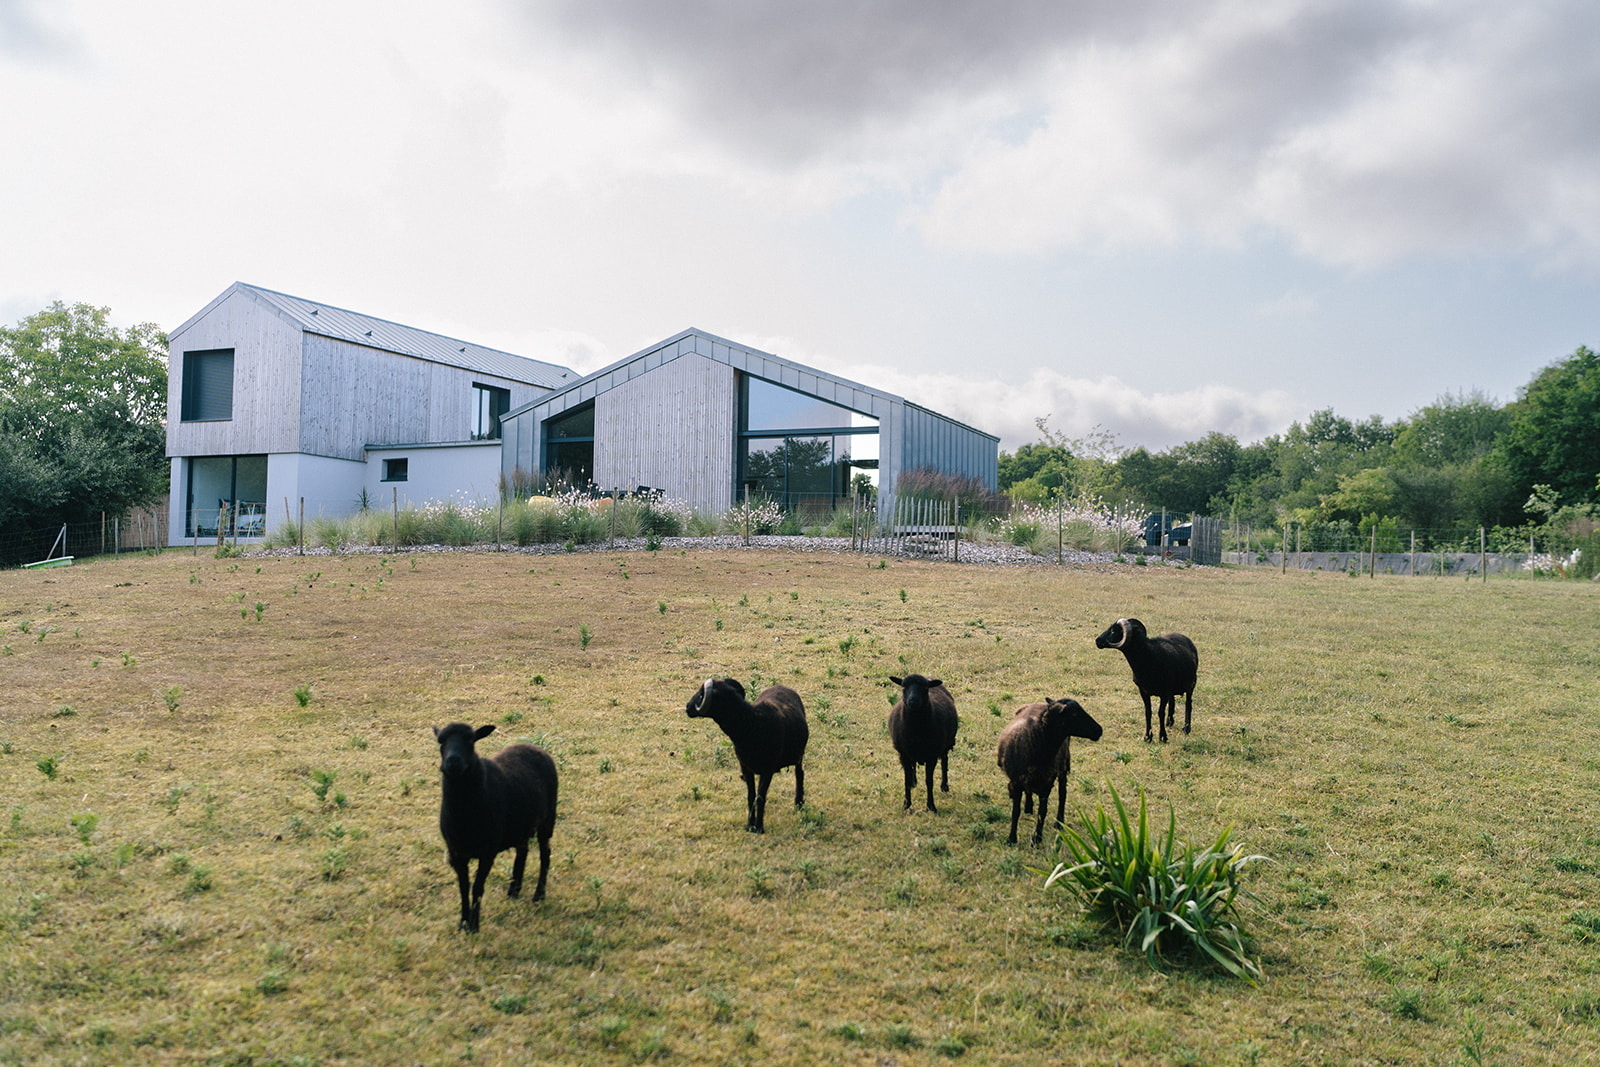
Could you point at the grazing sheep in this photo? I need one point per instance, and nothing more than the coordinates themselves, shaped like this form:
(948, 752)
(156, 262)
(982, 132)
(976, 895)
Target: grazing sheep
(490, 805)
(1163, 667)
(922, 725)
(767, 736)
(1035, 752)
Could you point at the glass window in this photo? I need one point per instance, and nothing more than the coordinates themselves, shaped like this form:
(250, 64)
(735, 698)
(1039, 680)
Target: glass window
(488, 404)
(235, 483)
(569, 446)
(207, 386)
(396, 470)
(769, 407)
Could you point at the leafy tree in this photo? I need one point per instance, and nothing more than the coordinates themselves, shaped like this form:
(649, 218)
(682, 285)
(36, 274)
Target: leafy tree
(82, 405)
(1554, 433)
(1049, 464)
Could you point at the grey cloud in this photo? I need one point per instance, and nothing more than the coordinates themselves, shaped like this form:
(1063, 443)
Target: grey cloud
(785, 81)
(26, 34)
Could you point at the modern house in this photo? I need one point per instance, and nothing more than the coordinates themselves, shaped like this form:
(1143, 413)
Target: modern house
(707, 420)
(274, 400)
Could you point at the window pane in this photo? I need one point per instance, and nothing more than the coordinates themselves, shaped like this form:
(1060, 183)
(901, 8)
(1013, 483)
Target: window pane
(488, 404)
(207, 386)
(773, 407)
(579, 423)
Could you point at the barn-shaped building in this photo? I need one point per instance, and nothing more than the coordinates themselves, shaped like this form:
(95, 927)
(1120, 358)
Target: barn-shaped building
(274, 400)
(707, 420)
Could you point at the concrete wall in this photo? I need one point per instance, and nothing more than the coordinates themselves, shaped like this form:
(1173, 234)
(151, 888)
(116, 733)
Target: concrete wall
(461, 472)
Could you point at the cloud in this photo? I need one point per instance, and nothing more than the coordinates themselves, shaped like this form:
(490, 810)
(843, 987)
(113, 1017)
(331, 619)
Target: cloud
(27, 32)
(1138, 413)
(1362, 133)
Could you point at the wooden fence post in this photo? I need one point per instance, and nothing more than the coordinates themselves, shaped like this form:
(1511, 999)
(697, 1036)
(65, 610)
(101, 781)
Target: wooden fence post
(302, 528)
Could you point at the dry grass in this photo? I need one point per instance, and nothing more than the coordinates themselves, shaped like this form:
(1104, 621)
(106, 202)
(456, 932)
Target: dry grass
(1418, 757)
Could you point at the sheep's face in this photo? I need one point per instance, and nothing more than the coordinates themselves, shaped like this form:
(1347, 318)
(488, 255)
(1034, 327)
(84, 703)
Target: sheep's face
(457, 747)
(1079, 723)
(705, 700)
(914, 688)
(1119, 633)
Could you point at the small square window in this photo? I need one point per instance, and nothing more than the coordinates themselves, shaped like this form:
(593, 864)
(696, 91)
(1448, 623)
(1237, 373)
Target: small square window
(395, 470)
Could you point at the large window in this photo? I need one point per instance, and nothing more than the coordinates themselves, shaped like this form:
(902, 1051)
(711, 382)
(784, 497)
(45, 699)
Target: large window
(569, 446)
(207, 386)
(802, 450)
(488, 404)
(230, 491)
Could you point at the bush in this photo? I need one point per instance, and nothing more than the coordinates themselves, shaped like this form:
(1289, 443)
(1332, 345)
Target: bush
(1166, 898)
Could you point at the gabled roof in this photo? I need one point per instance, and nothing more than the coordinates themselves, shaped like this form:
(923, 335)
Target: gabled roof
(340, 324)
(741, 357)
(786, 372)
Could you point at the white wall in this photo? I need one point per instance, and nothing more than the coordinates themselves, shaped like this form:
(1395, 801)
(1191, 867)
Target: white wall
(458, 472)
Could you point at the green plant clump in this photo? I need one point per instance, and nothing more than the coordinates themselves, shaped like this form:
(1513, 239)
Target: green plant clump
(1165, 897)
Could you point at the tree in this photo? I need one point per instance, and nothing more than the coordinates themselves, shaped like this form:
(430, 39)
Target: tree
(1554, 432)
(82, 408)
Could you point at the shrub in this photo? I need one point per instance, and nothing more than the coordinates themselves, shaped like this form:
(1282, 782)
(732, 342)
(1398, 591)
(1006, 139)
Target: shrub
(1166, 897)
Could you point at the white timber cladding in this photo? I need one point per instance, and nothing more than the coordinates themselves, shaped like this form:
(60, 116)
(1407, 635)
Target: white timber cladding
(671, 431)
(266, 381)
(353, 396)
(908, 436)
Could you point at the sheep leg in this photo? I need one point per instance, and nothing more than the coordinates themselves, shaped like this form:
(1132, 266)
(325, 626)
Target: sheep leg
(909, 771)
(517, 867)
(944, 768)
(1165, 712)
(477, 890)
(1149, 735)
(799, 784)
(930, 784)
(1188, 708)
(1016, 810)
(544, 864)
(1027, 803)
(750, 803)
(1061, 801)
(1044, 809)
(761, 803)
(468, 923)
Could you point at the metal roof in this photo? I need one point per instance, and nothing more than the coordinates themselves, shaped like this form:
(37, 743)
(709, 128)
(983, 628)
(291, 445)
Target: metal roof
(786, 372)
(328, 321)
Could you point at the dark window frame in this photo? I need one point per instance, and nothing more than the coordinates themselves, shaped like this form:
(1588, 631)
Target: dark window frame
(489, 402)
(207, 392)
(397, 469)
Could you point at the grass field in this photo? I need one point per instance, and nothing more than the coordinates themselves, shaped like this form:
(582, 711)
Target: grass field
(198, 865)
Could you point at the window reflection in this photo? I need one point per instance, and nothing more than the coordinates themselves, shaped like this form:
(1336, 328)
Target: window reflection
(806, 472)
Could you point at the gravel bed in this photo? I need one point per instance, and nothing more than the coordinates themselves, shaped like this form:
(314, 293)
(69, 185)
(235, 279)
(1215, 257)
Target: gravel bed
(980, 554)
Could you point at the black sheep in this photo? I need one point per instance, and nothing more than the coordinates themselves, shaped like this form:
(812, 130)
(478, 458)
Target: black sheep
(922, 725)
(1035, 752)
(490, 805)
(767, 736)
(1162, 667)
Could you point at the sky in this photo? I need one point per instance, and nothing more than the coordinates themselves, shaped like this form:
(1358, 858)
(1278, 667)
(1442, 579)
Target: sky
(1158, 220)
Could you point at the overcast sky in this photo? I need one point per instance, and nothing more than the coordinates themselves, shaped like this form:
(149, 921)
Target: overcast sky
(1165, 219)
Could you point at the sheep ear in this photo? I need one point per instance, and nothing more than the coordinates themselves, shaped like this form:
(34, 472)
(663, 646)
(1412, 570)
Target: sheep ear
(934, 683)
(737, 685)
(901, 682)
(436, 732)
(483, 731)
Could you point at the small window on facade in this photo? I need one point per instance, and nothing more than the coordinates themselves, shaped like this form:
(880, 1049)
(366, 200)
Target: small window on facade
(207, 386)
(488, 404)
(395, 470)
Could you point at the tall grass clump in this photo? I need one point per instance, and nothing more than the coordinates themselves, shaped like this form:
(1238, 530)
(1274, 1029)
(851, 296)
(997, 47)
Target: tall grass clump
(1164, 897)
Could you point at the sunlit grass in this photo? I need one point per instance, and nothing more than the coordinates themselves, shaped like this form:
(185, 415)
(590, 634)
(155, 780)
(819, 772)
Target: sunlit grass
(246, 876)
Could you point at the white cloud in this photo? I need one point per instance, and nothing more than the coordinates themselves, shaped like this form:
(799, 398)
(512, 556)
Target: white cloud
(1141, 413)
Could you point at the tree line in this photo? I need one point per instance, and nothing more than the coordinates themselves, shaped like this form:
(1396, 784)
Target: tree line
(1462, 461)
(83, 408)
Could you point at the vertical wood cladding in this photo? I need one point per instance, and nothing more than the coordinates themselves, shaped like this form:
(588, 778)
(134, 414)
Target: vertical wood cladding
(670, 429)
